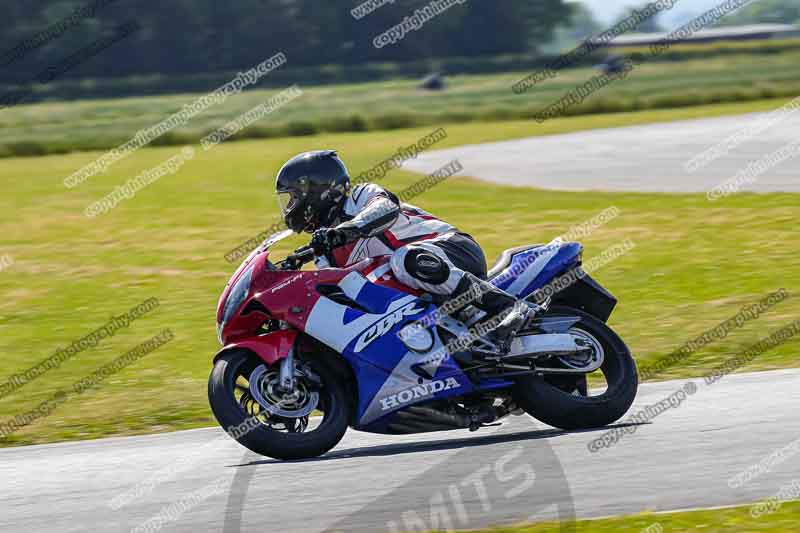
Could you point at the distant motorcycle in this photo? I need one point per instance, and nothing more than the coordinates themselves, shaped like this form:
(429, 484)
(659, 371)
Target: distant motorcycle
(308, 353)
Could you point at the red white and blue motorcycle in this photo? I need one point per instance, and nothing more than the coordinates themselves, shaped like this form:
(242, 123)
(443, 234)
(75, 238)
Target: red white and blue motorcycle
(308, 354)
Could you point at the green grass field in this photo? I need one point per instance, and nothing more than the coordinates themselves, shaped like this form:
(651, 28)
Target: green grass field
(732, 520)
(694, 264)
(95, 124)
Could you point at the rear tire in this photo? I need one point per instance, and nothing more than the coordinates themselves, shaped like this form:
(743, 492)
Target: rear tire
(263, 439)
(550, 401)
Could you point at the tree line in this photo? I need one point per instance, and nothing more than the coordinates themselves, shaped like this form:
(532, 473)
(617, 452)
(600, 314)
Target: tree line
(186, 37)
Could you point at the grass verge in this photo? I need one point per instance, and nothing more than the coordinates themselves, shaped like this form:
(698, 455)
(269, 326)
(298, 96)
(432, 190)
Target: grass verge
(729, 520)
(62, 127)
(695, 264)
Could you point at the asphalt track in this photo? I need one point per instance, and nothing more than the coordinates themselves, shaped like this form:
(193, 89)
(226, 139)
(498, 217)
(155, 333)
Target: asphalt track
(648, 158)
(682, 459)
(204, 482)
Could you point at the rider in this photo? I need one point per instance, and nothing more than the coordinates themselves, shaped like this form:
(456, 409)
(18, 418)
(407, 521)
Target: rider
(349, 225)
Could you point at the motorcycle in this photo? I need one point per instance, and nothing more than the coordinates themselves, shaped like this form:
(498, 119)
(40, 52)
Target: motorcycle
(308, 353)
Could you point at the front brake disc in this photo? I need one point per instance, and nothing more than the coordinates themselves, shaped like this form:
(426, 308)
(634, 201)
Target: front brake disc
(265, 388)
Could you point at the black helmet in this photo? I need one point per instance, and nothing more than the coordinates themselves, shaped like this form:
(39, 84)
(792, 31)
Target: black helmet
(311, 190)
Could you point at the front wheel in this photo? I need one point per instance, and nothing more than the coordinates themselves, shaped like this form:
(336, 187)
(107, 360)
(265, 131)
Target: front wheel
(565, 401)
(247, 401)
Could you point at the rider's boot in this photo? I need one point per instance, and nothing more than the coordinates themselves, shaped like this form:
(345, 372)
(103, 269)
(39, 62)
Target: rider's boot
(505, 313)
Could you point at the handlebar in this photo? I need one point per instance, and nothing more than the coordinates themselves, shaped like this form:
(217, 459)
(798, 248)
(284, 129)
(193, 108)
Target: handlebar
(305, 254)
(300, 257)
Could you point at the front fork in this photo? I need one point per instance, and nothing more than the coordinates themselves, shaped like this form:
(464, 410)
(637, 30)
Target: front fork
(287, 369)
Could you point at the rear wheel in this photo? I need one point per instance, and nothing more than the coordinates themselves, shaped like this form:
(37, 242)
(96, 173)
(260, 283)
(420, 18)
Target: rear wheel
(566, 401)
(247, 401)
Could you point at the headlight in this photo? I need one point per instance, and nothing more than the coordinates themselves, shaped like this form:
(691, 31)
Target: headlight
(416, 338)
(238, 294)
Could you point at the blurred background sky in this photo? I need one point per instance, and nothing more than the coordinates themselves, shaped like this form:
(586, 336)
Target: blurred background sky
(608, 11)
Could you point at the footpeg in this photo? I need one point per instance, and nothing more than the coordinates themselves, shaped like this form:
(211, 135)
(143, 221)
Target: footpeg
(508, 328)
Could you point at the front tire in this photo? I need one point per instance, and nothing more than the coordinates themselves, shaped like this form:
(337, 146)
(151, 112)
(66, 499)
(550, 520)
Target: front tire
(269, 435)
(546, 398)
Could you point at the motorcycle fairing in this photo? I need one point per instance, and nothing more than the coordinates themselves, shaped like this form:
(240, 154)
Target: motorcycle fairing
(532, 268)
(270, 347)
(370, 342)
(363, 322)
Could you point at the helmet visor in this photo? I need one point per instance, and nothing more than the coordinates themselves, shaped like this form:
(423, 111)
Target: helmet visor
(286, 202)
